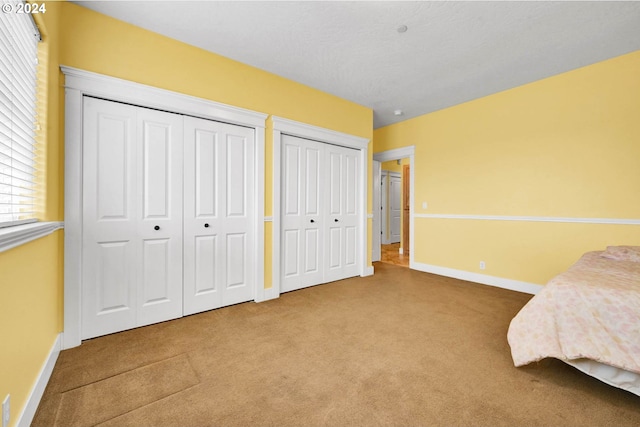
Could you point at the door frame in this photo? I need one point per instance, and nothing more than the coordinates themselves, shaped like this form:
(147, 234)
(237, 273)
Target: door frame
(398, 154)
(290, 127)
(376, 226)
(80, 83)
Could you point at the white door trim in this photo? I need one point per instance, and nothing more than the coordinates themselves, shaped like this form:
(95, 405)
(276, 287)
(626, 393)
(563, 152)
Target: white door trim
(397, 154)
(303, 130)
(376, 226)
(79, 83)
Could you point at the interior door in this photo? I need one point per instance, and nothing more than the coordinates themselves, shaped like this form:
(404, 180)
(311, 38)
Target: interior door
(341, 229)
(395, 207)
(132, 183)
(218, 212)
(302, 217)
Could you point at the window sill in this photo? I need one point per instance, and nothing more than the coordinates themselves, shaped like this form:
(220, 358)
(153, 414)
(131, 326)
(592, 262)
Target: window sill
(11, 237)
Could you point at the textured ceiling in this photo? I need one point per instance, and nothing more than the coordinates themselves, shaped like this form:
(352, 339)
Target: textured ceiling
(452, 52)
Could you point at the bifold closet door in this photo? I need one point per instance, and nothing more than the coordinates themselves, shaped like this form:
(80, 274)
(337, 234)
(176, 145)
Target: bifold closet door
(341, 195)
(218, 210)
(132, 217)
(319, 213)
(303, 163)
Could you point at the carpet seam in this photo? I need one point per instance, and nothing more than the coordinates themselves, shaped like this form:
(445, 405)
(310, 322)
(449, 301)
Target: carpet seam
(150, 403)
(131, 370)
(125, 372)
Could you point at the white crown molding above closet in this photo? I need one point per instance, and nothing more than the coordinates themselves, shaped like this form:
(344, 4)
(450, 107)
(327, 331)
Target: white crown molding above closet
(99, 85)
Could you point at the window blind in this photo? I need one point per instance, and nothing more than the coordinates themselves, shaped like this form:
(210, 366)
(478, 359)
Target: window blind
(18, 85)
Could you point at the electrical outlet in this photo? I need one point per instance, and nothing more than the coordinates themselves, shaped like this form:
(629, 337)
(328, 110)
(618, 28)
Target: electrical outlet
(482, 265)
(6, 413)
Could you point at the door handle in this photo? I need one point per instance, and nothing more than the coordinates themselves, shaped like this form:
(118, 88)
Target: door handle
(157, 227)
(312, 221)
(206, 225)
(335, 220)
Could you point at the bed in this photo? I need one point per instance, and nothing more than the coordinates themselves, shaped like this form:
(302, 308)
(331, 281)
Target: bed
(588, 317)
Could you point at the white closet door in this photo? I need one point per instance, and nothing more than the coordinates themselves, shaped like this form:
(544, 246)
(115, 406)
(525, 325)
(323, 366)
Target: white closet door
(395, 207)
(341, 231)
(319, 237)
(159, 184)
(218, 212)
(132, 182)
(109, 218)
(303, 219)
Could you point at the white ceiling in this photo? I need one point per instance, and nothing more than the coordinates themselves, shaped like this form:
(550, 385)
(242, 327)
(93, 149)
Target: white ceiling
(452, 52)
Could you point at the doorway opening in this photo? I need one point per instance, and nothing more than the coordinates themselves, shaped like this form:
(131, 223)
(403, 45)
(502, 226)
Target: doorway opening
(393, 178)
(395, 186)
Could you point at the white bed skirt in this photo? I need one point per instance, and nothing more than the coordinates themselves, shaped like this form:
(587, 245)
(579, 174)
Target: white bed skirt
(616, 377)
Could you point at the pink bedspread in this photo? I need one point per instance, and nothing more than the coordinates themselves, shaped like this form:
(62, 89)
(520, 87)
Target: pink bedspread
(590, 311)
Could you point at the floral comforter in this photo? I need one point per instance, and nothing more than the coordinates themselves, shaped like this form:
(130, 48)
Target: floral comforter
(590, 311)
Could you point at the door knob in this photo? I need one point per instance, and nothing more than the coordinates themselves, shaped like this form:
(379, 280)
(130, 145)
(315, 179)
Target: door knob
(157, 227)
(312, 221)
(206, 225)
(335, 220)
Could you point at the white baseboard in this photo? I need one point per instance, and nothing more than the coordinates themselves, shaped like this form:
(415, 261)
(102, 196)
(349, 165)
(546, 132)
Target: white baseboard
(401, 251)
(499, 282)
(368, 271)
(29, 411)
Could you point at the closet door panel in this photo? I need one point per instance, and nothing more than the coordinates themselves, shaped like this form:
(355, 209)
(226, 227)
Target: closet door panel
(313, 218)
(202, 159)
(156, 263)
(342, 216)
(237, 224)
(159, 184)
(291, 214)
(313, 241)
(302, 213)
(112, 291)
(203, 257)
(312, 193)
(236, 258)
(290, 260)
(291, 180)
(236, 180)
(218, 213)
(204, 264)
(110, 247)
(336, 180)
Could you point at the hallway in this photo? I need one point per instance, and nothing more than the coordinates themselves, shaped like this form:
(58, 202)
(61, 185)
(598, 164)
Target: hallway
(389, 254)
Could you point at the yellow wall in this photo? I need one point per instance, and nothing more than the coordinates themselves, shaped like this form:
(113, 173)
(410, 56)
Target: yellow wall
(31, 286)
(29, 315)
(393, 166)
(565, 146)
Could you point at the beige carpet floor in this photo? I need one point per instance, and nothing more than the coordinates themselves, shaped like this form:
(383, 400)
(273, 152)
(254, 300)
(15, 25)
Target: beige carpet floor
(399, 348)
